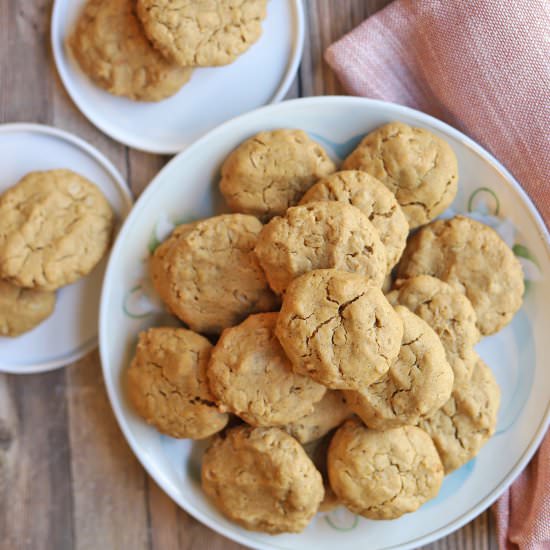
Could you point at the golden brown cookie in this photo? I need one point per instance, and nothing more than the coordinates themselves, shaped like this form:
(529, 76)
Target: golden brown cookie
(373, 199)
(262, 479)
(466, 422)
(320, 235)
(269, 172)
(250, 375)
(417, 166)
(22, 309)
(471, 257)
(338, 329)
(449, 313)
(208, 275)
(55, 227)
(383, 475)
(111, 48)
(167, 383)
(202, 33)
(327, 414)
(418, 382)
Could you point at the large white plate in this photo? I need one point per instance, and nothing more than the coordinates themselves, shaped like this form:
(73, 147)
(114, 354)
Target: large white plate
(71, 332)
(187, 189)
(261, 75)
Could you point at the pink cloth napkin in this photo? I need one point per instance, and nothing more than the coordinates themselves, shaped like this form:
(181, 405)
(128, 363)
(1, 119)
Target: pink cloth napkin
(484, 67)
(481, 65)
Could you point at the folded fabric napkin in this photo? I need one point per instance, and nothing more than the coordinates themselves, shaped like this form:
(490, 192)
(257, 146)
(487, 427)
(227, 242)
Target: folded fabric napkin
(481, 65)
(484, 67)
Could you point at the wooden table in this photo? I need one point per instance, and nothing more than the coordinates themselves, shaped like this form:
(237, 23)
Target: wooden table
(67, 477)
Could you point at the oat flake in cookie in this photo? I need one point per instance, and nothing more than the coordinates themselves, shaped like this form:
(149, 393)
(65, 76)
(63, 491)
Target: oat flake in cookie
(55, 227)
(262, 479)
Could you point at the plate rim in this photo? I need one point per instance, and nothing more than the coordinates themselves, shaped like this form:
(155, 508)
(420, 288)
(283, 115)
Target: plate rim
(116, 404)
(109, 167)
(132, 142)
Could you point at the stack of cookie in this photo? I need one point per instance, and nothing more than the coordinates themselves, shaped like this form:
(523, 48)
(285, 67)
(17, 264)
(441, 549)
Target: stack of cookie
(146, 49)
(290, 289)
(55, 227)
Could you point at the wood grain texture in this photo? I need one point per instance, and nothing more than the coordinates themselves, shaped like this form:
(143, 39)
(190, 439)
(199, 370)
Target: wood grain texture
(67, 477)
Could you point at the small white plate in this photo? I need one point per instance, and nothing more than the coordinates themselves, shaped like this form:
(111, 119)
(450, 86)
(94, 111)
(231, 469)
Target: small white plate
(71, 331)
(261, 75)
(187, 188)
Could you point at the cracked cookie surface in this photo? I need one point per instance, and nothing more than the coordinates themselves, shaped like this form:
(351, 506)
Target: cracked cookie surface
(383, 475)
(417, 383)
(208, 275)
(262, 479)
(373, 199)
(250, 375)
(320, 235)
(167, 383)
(22, 309)
(202, 34)
(467, 421)
(111, 48)
(449, 313)
(271, 171)
(472, 258)
(338, 329)
(55, 226)
(327, 414)
(417, 166)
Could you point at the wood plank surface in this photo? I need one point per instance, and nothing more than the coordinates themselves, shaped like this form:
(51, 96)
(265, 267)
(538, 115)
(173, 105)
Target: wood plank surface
(67, 477)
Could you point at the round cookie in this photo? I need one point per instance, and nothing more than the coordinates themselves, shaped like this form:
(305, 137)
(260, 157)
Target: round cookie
(417, 166)
(327, 414)
(449, 313)
(167, 384)
(473, 258)
(208, 275)
(250, 375)
(55, 227)
(373, 199)
(320, 235)
(22, 309)
(202, 34)
(262, 479)
(112, 49)
(271, 171)
(418, 382)
(465, 423)
(338, 329)
(383, 475)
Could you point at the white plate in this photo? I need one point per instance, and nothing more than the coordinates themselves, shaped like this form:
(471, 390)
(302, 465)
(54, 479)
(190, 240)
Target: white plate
(71, 331)
(187, 189)
(261, 75)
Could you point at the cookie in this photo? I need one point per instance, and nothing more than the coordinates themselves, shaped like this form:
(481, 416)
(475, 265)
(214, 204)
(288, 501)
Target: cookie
(22, 309)
(167, 383)
(111, 48)
(417, 166)
(383, 475)
(320, 235)
(467, 421)
(327, 414)
(471, 257)
(271, 171)
(418, 382)
(208, 275)
(55, 227)
(262, 479)
(250, 375)
(202, 34)
(338, 329)
(449, 313)
(373, 199)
